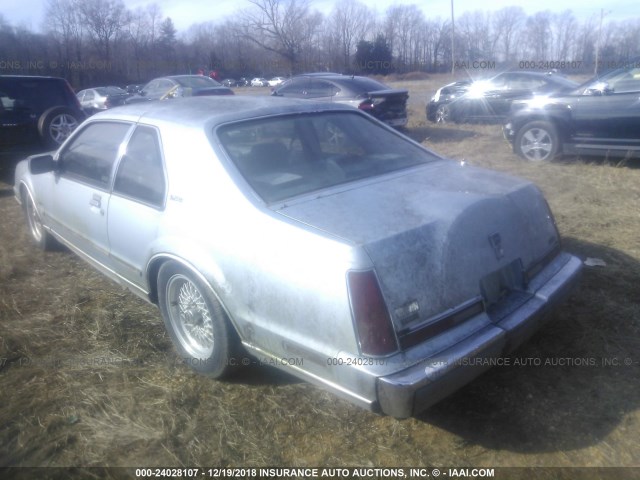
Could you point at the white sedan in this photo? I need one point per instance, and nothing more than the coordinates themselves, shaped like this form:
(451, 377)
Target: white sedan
(259, 82)
(275, 81)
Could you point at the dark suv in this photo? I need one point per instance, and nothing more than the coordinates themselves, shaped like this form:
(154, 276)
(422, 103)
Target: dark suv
(36, 111)
(600, 117)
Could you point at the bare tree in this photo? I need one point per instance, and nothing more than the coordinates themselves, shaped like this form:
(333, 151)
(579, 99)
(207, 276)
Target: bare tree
(507, 22)
(104, 20)
(403, 28)
(281, 26)
(349, 22)
(564, 25)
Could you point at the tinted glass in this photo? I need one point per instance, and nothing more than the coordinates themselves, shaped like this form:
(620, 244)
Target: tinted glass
(32, 95)
(140, 174)
(91, 155)
(104, 91)
(281, 157)
(624, 81)
(197, 81)
(292, 86)
(524, 82)
(320, 88)
(364, 84)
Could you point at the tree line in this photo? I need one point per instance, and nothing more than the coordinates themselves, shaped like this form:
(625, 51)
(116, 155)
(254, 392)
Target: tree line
(98, 42)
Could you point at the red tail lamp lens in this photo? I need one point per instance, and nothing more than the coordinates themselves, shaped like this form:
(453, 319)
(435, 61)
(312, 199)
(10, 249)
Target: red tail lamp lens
(372, 320)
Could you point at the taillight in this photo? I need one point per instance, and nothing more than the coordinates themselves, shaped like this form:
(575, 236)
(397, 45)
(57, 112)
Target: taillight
(370, 314)
(370, 103)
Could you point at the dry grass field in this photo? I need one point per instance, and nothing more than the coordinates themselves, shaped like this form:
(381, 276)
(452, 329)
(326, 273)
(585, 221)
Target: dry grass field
(88, 376)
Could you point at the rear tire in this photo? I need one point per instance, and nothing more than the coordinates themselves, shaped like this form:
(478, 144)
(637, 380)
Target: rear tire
(537, 141)
(196, 322)
(56, 124)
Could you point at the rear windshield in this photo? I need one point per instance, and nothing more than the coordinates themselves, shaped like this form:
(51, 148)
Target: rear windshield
(110, 91)
(364, 84)
(197, 81)
(285, 156)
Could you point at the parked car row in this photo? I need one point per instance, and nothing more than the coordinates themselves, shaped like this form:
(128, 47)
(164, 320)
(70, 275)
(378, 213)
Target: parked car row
(546, 115)
(599, 117)
(491, 99)
(254, 82)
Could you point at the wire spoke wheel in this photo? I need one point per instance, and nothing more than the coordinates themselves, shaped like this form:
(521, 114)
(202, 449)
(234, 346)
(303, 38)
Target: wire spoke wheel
(196, 321)
(190, 316)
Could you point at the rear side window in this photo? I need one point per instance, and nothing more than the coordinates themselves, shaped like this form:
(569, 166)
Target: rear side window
(140, 174)
(92, 153)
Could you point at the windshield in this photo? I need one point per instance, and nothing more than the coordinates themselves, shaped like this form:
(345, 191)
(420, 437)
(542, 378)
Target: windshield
(619, 80)
(285, 156)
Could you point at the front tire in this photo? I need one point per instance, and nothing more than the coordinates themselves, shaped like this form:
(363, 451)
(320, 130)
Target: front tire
(196, 322)
(443, 114)
(42, 239)
(537, 141)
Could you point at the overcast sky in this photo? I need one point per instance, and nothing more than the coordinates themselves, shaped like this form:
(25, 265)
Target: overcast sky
(187, 12)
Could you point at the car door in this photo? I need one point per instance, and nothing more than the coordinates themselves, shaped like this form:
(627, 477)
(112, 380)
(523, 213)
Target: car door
(77, 207)
(137, 204)
(609, 112)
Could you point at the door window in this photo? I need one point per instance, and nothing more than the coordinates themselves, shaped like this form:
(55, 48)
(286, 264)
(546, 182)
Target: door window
(92, 153)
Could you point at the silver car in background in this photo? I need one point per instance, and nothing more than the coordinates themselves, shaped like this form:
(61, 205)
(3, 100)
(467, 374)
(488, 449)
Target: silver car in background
(93, 100)
(309, 234)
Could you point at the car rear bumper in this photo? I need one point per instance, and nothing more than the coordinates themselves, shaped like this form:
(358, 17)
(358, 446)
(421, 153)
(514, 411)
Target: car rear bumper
(415, 389)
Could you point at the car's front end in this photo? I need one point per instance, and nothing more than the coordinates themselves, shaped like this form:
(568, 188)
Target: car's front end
(438, 108)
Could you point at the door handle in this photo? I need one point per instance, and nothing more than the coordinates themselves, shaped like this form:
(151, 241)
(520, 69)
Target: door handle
(96, 201)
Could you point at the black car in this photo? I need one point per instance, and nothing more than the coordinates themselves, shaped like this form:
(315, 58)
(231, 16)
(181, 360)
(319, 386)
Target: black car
(379, 100)
(179, 86)
(133, 88)
(600, 117)
(491, 99)
(36, 112)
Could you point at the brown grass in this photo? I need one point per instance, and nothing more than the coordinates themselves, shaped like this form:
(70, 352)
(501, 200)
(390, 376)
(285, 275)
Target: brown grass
(89, 377)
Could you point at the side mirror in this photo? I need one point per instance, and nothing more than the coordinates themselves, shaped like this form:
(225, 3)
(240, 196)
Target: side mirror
(42, 164)
(598, 89)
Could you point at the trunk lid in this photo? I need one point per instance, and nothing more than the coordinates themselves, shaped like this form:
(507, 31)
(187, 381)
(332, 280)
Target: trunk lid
(439, 235)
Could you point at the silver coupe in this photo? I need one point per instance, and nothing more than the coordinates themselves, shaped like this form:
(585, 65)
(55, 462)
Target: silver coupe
(311, 235)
